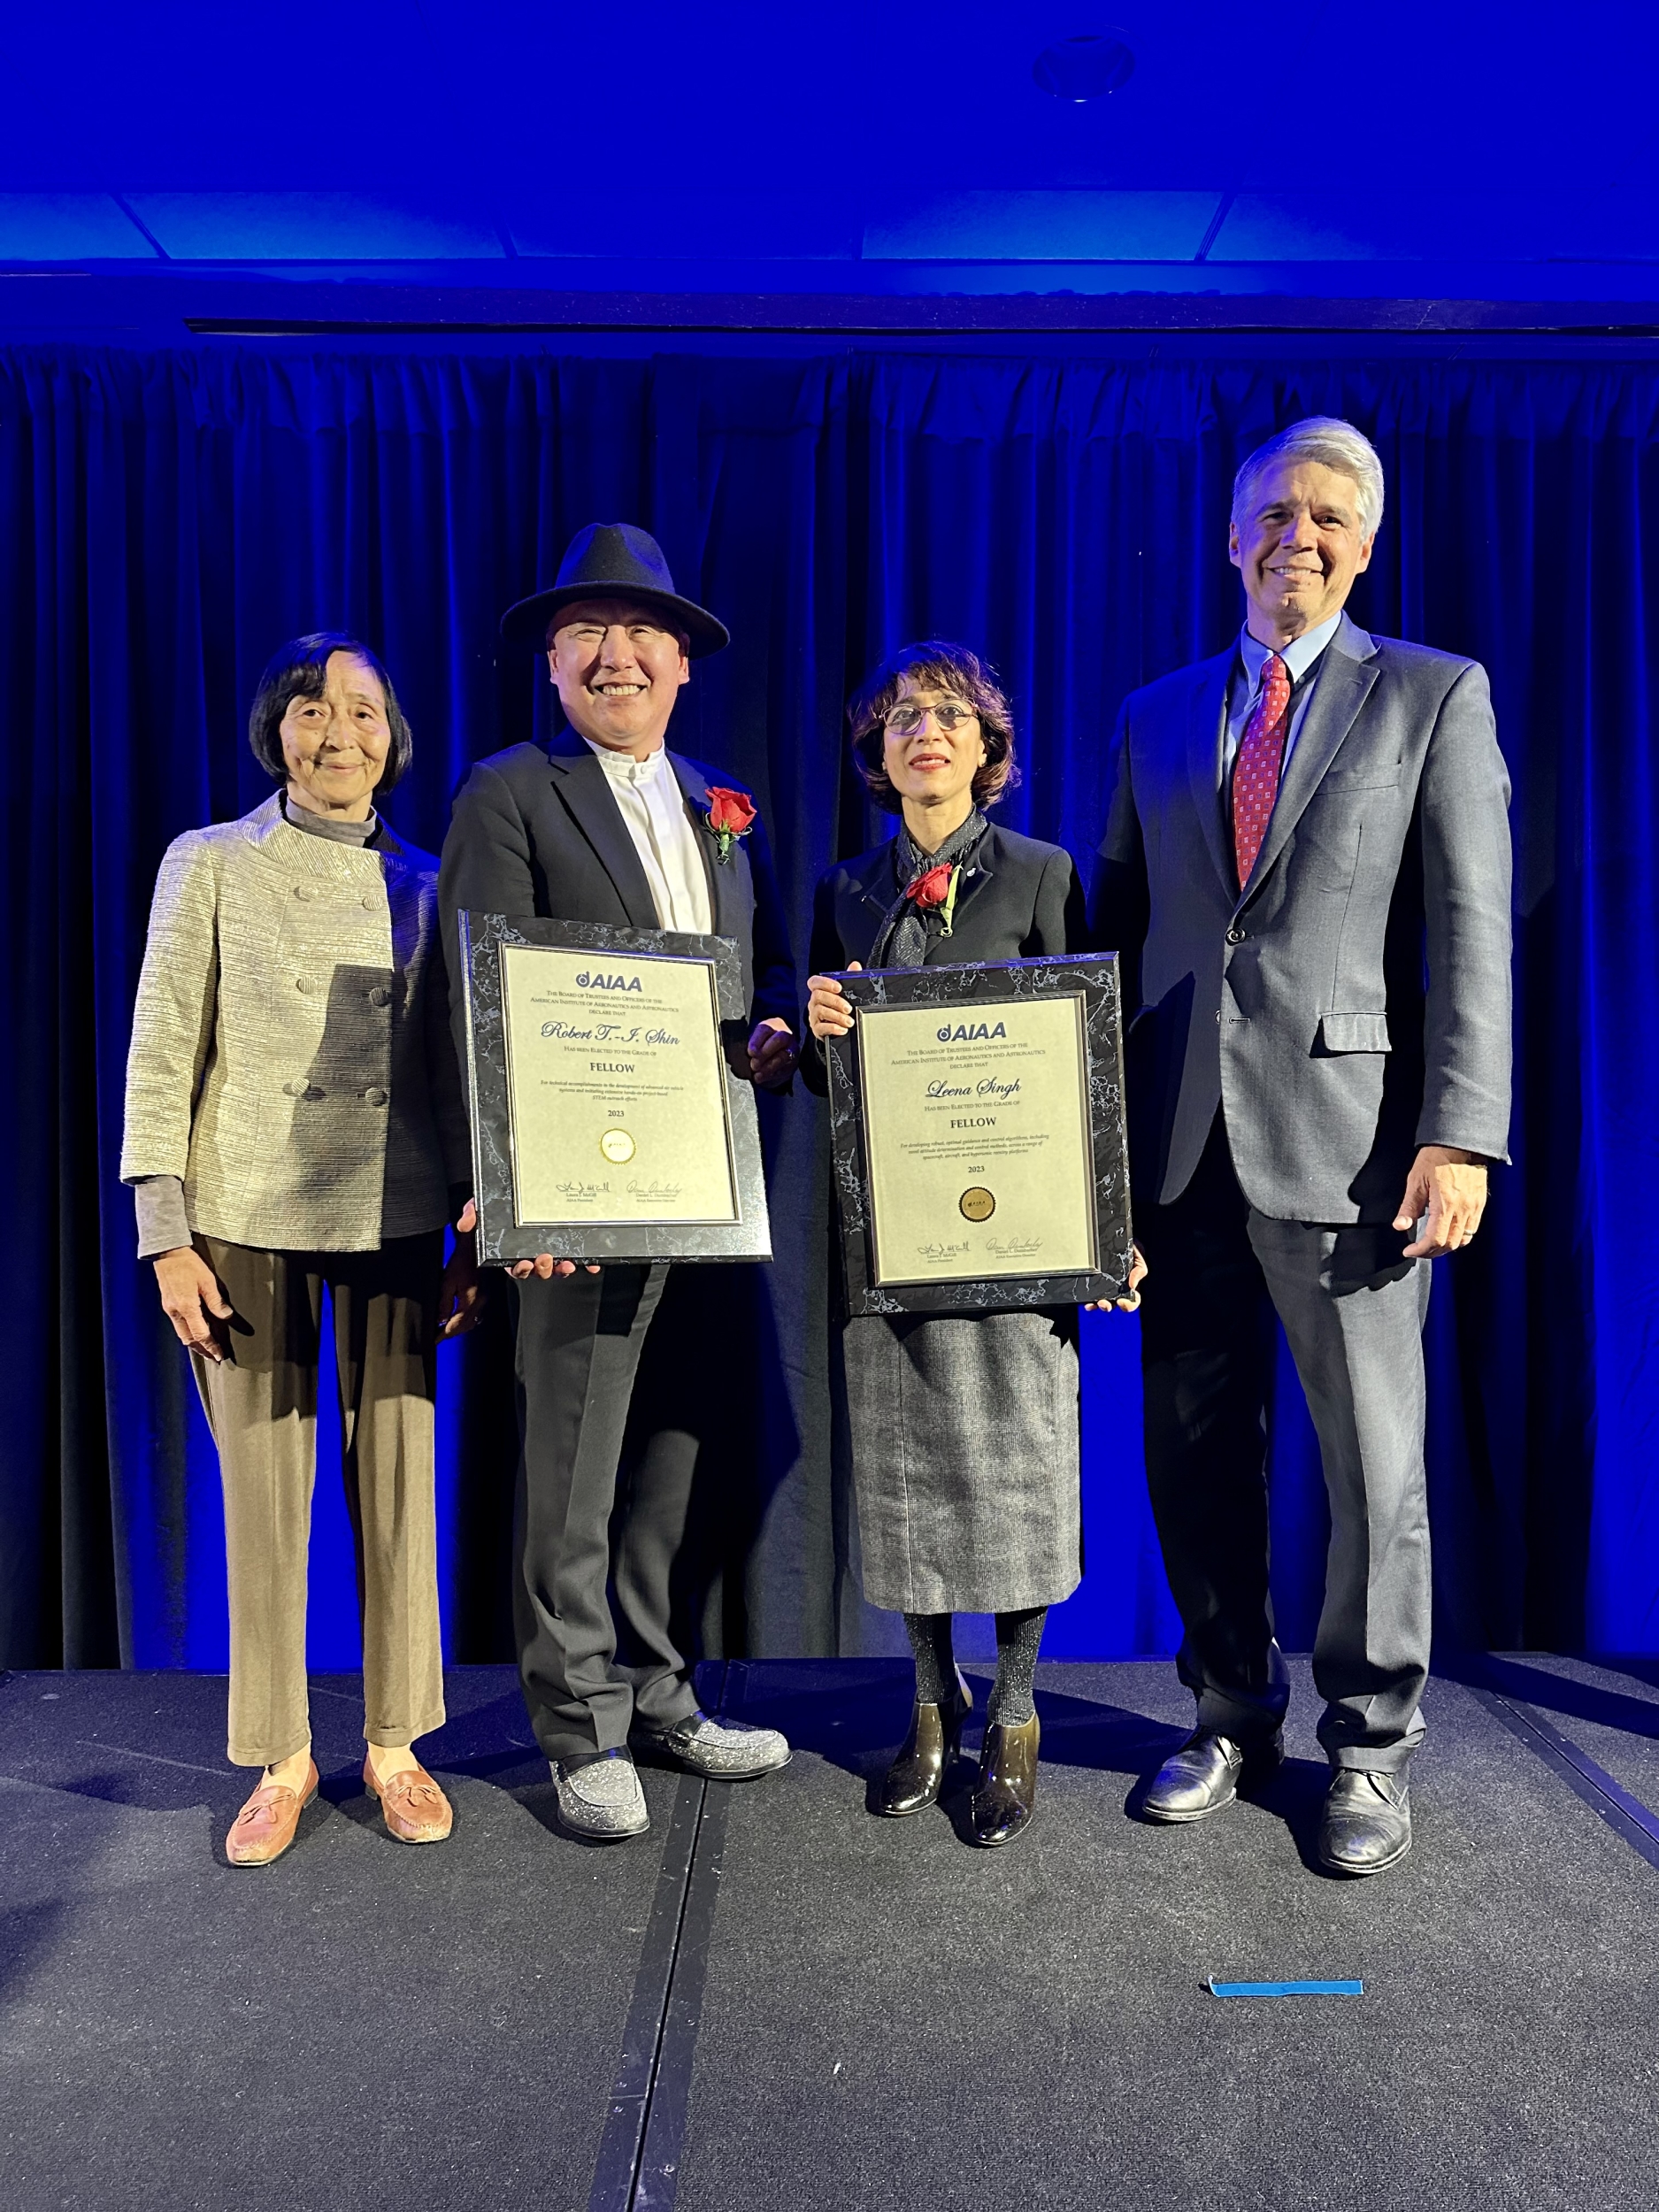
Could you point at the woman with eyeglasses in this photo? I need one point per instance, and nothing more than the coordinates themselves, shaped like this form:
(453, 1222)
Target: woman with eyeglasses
(963, 1427)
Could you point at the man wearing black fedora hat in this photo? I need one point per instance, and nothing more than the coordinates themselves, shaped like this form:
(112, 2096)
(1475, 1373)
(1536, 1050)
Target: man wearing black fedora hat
(606, 825)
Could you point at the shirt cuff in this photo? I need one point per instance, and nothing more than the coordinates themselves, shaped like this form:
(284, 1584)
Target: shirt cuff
(163, 1222)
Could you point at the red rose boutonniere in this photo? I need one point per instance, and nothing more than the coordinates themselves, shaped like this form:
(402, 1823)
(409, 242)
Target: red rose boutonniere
(730, 816)
(936, 888)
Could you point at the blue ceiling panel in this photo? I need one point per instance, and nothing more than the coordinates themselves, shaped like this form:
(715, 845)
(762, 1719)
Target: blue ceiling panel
(1260, 227)
(1013, 225)
(68, 227)
(1520, 225)
(689, 224)
(308, 226)
(883, 146)
(192, 94)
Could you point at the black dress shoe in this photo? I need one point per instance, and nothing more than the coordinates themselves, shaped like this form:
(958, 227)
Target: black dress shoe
(1006, 1792)
(912, 1783)
(1367, 1824)
(720, 1750)
(1206, 1773)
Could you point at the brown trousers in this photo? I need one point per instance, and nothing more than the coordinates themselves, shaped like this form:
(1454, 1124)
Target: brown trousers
(262, 1407)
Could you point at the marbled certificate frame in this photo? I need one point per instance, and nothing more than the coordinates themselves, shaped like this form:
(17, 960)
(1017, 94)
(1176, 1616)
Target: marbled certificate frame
(501, 1236)
(1093, 975)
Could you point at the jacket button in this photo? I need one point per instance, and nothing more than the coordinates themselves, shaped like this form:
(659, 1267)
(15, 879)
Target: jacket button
(370, 901)
(304, 891)
(379, 995)
(304, 983)
(1235, 936)
(375, 1097)
(296, 1090)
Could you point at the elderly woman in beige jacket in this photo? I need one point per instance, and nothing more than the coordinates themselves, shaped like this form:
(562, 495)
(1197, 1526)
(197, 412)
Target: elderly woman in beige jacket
(294, 1123)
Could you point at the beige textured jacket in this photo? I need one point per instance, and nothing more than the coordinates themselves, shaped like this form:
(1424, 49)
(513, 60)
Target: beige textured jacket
(291, 1058)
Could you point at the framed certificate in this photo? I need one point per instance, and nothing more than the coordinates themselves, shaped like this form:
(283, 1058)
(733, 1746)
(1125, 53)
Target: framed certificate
(977, 1121)
(609, 1121)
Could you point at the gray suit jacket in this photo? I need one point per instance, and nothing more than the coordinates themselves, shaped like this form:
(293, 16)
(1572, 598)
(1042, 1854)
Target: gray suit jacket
(1352, 1001)
(290, 1056)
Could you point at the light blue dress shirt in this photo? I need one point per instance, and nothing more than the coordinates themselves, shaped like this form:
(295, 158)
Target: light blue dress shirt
(1300, 657)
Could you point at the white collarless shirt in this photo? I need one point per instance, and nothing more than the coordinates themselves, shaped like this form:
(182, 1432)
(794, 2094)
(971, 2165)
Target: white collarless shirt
(653, 807)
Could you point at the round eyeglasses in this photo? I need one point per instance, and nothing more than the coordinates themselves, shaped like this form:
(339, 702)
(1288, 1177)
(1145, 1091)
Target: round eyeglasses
(906, 718)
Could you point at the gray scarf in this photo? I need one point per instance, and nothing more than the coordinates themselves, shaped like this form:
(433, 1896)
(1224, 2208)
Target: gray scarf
(901, 939)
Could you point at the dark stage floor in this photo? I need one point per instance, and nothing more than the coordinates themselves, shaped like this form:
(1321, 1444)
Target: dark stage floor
(776, 2004)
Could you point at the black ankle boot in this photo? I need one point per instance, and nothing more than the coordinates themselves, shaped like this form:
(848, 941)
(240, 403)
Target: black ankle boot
(912, 1783)
(1006, 1790)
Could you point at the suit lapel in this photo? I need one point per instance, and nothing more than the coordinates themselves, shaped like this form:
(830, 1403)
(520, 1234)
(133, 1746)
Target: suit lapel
(1347, 670)
(875, 894)
(1205, 708)
(969, 887)
(876, 880)
(581, 783)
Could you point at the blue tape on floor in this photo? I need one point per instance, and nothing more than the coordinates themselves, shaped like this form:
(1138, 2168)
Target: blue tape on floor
(1285, 1989)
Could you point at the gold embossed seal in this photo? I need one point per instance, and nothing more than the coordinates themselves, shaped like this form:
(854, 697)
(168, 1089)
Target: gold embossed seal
(977, 1203)
(617, 1146)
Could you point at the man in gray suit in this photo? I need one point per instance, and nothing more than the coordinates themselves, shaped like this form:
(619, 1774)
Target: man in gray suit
(1307, 870)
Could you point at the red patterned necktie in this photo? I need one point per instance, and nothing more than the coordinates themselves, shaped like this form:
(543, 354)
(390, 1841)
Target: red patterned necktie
(1255, 770)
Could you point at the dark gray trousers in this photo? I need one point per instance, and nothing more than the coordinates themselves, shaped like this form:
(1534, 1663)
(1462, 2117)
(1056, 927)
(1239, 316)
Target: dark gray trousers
(1353, 1311)
(578, 1343)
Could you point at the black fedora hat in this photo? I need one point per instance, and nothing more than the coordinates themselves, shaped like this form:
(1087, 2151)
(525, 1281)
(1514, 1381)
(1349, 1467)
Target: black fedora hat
(613, 560)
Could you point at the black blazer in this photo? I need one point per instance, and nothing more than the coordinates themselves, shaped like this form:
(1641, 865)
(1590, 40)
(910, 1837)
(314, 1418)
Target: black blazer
(536, 831)
(1022, 901)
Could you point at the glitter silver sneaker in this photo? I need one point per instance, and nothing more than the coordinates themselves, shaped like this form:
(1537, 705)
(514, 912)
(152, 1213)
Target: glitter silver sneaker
(721, 1750)
(602, 1798)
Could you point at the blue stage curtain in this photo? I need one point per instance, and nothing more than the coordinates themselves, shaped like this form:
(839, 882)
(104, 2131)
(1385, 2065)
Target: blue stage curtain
(168, 518)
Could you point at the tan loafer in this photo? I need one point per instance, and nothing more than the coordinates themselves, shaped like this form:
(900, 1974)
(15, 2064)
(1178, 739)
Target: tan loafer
(414, 1808)
(265, 1826)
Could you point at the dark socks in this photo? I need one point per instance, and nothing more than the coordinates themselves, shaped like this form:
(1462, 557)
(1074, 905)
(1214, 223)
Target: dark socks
(1018, 1638)
(935, 1660)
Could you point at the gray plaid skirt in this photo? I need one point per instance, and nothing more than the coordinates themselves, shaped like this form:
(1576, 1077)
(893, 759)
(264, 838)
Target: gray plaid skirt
(964, 1430)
